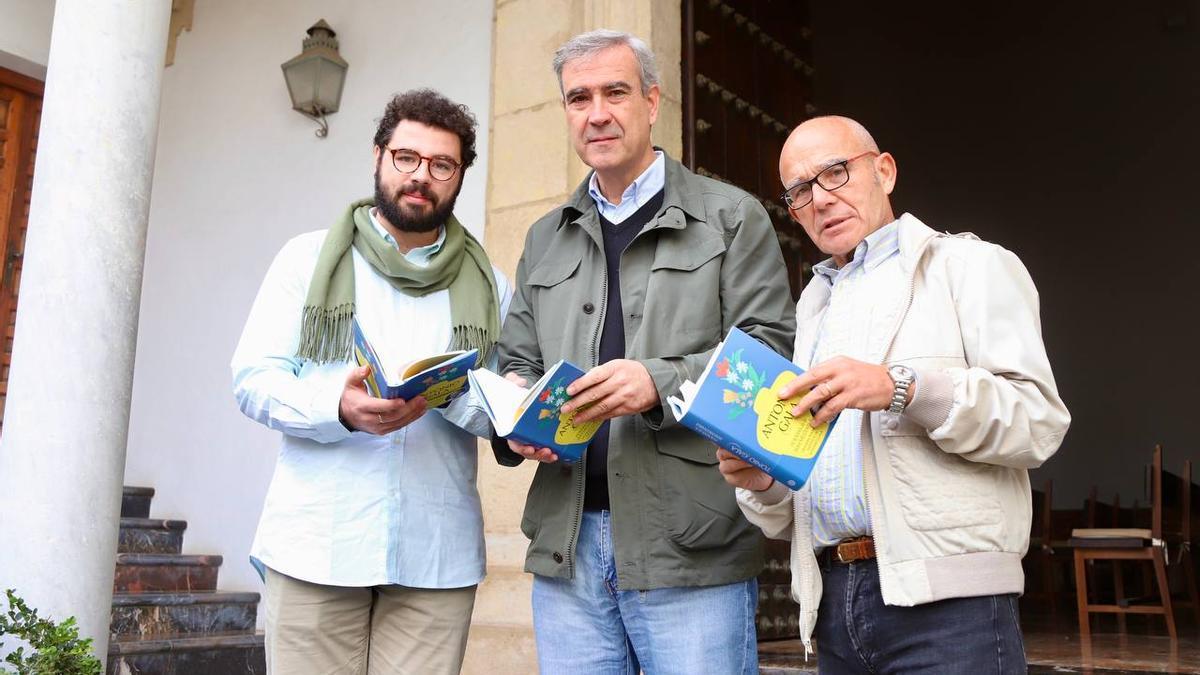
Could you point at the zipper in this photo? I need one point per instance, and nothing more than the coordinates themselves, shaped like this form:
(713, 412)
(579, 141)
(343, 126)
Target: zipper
(581, 466)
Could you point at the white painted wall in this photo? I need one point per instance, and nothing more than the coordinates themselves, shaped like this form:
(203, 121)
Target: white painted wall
(25, 35)
(238, 173)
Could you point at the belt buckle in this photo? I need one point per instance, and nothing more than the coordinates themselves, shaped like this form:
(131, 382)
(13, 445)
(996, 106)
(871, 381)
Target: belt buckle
(838, 552)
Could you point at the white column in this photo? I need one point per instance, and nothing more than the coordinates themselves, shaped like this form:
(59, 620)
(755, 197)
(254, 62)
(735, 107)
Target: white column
(62, 453)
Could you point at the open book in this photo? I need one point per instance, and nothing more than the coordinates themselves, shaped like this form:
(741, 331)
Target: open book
(734, 405)
(533, 415)
(439, 378)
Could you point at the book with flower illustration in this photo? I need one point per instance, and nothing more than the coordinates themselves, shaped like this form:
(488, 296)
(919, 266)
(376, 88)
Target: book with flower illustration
(534, 415)
(734, 404)
(439, 378)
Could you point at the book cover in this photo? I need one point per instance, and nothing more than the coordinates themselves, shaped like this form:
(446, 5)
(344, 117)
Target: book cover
(439, 378)
(533, 415)
(734, 405)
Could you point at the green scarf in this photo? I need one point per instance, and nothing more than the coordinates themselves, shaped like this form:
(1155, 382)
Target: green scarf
(461, 266)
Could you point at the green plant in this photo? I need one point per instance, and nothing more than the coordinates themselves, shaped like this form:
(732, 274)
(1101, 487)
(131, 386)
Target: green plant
(58, 649)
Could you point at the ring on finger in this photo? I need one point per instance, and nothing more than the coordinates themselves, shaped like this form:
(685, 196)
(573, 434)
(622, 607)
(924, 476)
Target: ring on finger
(827, 390)
(380, 416)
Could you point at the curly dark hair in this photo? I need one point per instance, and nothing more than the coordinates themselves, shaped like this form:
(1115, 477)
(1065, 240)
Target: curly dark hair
(431, 108)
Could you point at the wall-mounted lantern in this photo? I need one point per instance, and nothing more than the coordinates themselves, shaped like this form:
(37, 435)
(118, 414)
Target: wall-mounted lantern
(315, 78)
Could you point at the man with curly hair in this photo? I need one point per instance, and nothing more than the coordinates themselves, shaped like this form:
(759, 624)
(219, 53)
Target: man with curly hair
(371, 539)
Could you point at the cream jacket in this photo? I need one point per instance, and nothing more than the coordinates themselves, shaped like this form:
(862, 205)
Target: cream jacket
(947, 481)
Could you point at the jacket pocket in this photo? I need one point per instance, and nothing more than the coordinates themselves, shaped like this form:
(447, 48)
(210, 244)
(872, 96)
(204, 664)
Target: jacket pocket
(555, 296)
(683, 295)
(938, 490)
(698, 508)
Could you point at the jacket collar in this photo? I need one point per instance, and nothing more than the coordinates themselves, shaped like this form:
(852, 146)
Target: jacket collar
(680, 199)
(914, 238)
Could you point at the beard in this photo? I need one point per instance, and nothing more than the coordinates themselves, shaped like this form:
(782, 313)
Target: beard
(406, 218)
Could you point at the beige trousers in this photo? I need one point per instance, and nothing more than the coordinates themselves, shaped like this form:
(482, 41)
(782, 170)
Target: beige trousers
(328, 630)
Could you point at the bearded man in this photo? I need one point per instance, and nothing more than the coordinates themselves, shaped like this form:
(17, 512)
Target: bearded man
(371, 539)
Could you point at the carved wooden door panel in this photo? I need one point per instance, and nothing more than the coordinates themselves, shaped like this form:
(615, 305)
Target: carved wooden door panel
(747, 82)
(20, 115)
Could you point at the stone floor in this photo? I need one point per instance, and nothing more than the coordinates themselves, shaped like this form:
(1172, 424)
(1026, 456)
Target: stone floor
(1054, 646)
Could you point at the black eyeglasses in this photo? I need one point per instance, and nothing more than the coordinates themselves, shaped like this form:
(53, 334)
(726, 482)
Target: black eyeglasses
(831, 178)
(408, 161)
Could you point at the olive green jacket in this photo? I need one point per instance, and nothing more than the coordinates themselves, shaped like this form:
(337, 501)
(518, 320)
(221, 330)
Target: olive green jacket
(708, 261)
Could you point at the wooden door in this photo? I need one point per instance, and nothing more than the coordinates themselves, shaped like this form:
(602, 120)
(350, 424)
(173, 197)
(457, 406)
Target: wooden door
(747, 82)
(20, 116)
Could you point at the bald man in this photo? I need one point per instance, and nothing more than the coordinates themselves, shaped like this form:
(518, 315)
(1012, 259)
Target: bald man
(907, 539)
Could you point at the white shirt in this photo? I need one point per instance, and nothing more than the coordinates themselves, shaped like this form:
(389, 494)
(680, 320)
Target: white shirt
(355, 509)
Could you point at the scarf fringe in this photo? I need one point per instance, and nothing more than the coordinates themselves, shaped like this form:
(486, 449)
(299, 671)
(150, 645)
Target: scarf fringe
(325, 334)
(473, 337)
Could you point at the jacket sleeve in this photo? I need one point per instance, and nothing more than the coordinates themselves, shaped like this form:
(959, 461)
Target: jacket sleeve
(755, 297)
(770, 510)
(267, 383)
(1003, 408)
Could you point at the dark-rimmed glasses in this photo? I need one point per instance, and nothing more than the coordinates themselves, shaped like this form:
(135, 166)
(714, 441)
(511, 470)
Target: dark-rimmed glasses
(408, 161)
(830, 178)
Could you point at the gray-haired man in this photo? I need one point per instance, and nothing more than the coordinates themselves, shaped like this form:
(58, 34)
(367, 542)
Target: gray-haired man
(641, 556)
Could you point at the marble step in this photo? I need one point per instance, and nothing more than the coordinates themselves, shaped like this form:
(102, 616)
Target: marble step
(135, 502)
(150, 535)
(151, 615)
(151, 572)
(240, 653)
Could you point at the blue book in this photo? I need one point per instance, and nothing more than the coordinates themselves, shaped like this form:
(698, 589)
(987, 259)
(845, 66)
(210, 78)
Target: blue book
(534, 415)
(439, 378)
(734, 405)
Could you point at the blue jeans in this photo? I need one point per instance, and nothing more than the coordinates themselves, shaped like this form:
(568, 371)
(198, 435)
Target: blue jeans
(588, 626)
(857, 633)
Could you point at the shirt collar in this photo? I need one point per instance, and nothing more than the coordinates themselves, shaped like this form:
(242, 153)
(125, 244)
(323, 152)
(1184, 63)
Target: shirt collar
(870, 252)
(420, 255)
(645, 186)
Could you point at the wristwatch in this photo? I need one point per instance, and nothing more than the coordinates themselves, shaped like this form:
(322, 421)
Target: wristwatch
(902, 377)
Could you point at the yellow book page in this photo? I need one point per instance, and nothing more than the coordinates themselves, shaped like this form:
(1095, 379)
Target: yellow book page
(778, 431)
(426, 363)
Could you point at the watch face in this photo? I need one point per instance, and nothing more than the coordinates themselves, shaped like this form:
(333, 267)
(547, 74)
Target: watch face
(901, 372)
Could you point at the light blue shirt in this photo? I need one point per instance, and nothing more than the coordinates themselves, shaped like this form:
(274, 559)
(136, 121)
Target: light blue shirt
(419, 256)
(351, 508)
(838, 498)
(645, 186)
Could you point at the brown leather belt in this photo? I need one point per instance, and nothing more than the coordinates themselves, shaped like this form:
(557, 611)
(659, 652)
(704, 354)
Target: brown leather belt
(853, 550)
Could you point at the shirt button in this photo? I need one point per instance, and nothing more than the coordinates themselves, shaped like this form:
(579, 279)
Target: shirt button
(891, 424)
(588, 308)
(557, 557)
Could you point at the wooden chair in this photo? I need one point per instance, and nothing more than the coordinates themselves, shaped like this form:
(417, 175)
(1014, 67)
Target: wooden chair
(1048, 550)
(1178, 510)
(1119, 544)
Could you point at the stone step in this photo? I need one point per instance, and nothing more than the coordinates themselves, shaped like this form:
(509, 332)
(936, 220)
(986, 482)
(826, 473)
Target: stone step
(504, 597)
(135, 502)
(150, 535)
(151, 615)
(151, 572)
(240, 653)
(498, 648)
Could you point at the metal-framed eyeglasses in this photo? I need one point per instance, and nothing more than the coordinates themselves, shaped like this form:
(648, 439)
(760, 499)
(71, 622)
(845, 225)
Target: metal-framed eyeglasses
(408, 161)
(830, 178)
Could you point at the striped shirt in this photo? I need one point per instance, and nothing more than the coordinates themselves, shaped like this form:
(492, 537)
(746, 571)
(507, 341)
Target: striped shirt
(839, 503)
